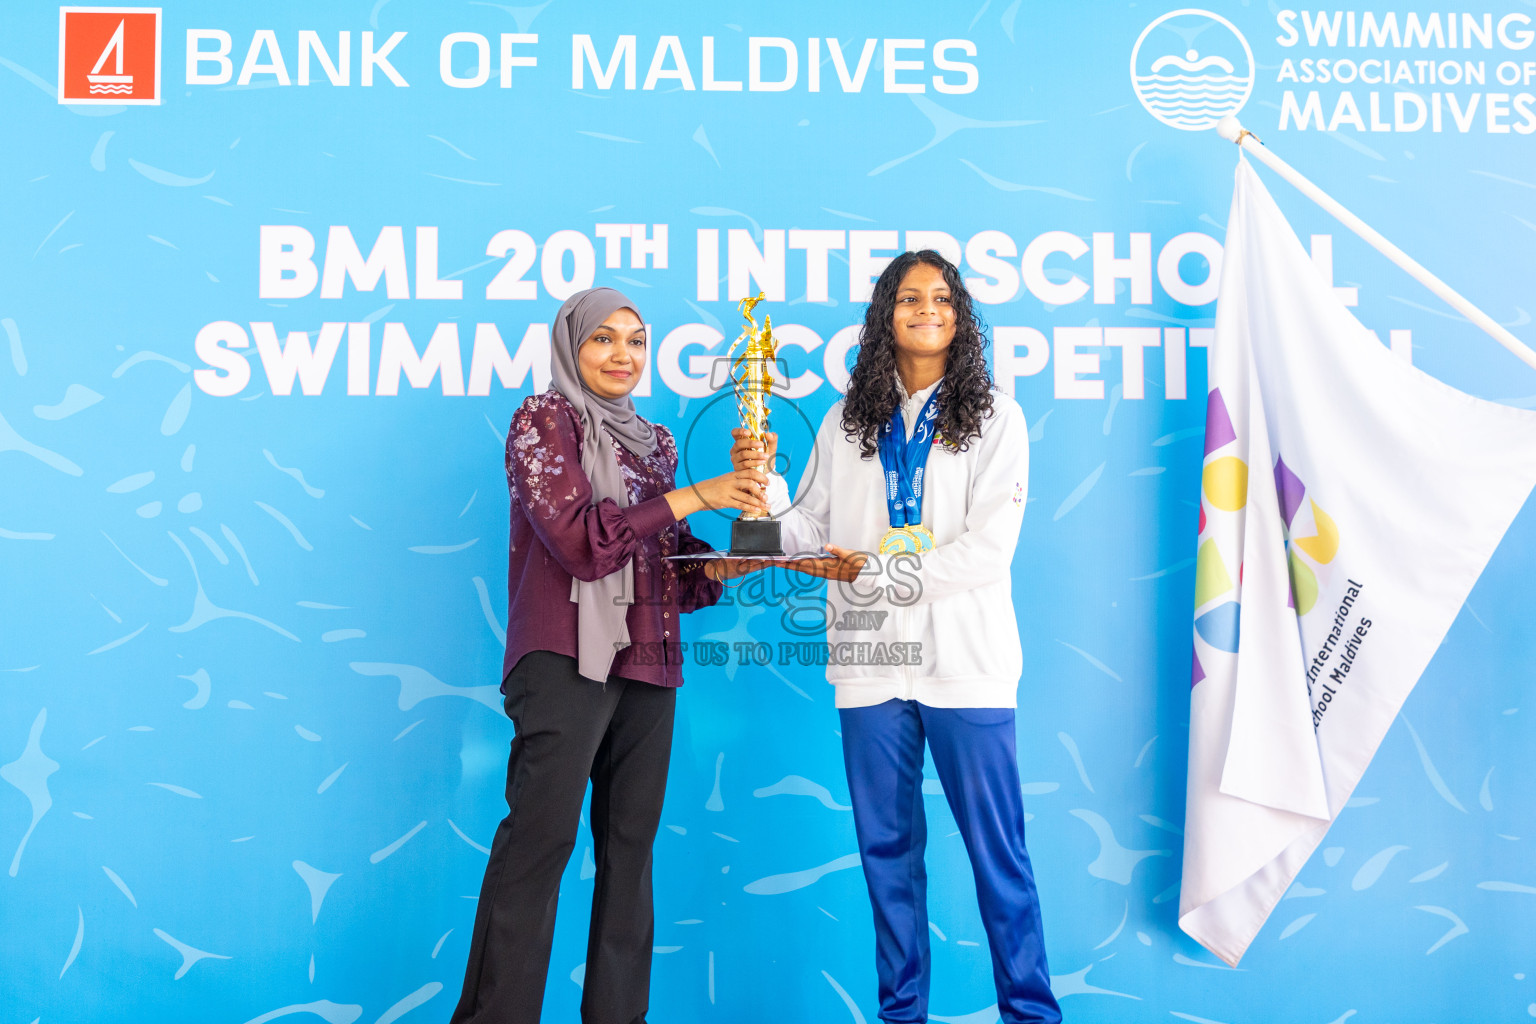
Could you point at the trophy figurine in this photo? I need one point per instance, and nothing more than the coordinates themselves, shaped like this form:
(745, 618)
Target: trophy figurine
(754, 534)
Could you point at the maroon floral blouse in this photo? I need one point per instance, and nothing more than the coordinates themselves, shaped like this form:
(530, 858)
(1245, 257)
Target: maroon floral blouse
(558, 532)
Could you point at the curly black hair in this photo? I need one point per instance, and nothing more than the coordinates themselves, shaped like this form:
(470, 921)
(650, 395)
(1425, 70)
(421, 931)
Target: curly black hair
(966, 398)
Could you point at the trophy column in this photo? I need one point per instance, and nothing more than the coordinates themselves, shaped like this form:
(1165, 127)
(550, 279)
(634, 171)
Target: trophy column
(754, 534)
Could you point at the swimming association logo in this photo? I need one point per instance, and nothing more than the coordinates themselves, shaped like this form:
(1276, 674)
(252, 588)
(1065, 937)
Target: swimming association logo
(109, 55)
(1190, 68)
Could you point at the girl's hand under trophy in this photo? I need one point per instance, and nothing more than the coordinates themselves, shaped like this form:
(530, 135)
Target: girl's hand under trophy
(752, 453)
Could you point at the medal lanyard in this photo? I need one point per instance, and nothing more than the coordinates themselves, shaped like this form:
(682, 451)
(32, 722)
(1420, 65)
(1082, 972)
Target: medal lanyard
(904, 461)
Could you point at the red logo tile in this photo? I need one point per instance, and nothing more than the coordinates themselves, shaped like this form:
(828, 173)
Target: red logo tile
(109, 55)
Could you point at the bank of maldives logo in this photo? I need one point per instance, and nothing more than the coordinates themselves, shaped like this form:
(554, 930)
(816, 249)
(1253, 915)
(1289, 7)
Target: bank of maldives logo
(109, 55)
(1190, 68)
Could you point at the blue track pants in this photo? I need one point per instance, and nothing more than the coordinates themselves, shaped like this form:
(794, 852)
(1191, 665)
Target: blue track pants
(974, 752)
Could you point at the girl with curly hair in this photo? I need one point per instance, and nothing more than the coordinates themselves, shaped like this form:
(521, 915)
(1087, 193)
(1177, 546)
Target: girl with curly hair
(922, 471)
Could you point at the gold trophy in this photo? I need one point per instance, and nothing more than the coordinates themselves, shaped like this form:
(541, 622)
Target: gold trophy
(754, 534)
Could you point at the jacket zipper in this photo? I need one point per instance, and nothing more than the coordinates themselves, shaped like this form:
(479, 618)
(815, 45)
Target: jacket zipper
(903, 630)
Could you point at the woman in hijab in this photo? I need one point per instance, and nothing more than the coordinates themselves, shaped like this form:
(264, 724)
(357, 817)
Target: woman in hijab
(592, 665)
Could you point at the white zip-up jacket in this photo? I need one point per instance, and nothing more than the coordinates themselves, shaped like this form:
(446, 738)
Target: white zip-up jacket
(954, 603)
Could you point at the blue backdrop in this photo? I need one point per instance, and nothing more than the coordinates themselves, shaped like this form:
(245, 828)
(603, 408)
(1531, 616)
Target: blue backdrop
(250, 637)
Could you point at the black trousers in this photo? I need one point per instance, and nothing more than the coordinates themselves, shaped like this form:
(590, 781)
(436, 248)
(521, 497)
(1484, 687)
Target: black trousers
(569, 729)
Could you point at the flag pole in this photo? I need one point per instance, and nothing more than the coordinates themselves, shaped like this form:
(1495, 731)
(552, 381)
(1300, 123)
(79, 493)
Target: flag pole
(1231, 129)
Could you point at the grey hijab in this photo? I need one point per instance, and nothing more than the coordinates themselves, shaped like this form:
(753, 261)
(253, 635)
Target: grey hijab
(602, 605)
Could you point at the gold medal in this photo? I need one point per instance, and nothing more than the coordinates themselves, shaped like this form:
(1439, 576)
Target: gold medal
(907, 540)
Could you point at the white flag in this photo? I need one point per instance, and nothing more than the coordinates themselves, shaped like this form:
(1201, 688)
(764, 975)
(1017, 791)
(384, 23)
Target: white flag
(1350, 502)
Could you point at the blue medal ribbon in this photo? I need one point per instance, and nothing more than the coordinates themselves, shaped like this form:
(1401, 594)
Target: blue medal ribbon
(904, 460)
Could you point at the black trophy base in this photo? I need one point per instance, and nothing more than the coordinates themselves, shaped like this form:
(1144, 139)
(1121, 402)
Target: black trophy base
(756, 538)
